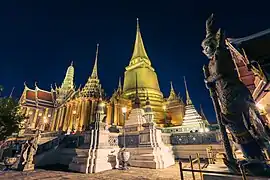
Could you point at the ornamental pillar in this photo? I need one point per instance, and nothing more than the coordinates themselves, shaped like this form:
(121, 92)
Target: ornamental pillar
(109, 114)
(115, 114)
(53, 117)
(33, 123)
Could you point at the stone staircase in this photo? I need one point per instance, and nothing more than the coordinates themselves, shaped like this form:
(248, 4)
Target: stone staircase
(149, 157)
(80, 161)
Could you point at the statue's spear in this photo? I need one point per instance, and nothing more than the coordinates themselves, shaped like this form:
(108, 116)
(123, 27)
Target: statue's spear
(224, 135)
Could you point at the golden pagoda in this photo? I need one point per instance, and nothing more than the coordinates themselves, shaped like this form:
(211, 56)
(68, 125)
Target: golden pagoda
(140, 64)
(175, 107)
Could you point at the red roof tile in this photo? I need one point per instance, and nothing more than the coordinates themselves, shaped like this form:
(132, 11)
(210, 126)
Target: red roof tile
(47, 96)
(30, 94)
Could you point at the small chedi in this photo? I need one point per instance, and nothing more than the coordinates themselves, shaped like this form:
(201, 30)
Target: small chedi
(143, 139)
(192, 120)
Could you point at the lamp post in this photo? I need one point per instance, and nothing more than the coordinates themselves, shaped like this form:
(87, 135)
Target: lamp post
(124, 154)
(124, 111)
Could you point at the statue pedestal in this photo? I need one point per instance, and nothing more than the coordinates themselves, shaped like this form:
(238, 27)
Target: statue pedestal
(100, 155)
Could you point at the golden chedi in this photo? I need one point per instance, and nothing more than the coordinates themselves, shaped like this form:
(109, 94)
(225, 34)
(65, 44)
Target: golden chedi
(140, 64)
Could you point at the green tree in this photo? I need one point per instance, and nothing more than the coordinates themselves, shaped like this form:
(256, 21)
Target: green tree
(10, 116)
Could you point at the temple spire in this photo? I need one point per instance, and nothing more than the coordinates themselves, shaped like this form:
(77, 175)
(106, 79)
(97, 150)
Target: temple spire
(172, 93)
(188, 100)
(68, 82)
(94, 74)
(120, 85)
(172, 90)
(139, 50)
(11, 93)
(137, 102)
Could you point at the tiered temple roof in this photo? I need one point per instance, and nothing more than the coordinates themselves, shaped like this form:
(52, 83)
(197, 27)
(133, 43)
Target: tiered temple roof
(92, 87)
(67, 88)
(252, 58)
(37, 97)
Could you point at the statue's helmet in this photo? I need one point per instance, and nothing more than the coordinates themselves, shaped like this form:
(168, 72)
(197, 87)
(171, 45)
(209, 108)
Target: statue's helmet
(209, 44)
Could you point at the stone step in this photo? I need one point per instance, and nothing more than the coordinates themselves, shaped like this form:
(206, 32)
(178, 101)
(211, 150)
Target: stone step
(144, 157)
(80, 160)
(77, 167)
(143, 164)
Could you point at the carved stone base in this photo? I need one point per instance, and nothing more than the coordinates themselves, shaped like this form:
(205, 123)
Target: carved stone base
(99, 160)
(151, 157)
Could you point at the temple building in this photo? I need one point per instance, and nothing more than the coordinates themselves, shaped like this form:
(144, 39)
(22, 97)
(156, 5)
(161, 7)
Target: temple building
(252, 59)
(64, 108)
(192, 120)
(70, 109)
(115, 105)
(176, 108)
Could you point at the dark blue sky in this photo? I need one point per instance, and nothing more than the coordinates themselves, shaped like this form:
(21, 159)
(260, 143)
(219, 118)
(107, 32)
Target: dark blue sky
(39, 39)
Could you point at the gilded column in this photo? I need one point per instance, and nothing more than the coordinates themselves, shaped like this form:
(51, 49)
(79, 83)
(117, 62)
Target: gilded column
(115, 114)
(109, 114)
(53, 120)
(91, 111)
(58, 118)
(78, 117)
(65, 121)
(86, 113)
(82, 102)
(27, 111)
(33, 126)
(63, 111)
(27, 115)
(45, 118)
(71, 117)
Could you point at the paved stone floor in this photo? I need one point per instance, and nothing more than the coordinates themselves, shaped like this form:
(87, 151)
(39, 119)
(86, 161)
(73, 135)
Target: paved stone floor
(171, 173)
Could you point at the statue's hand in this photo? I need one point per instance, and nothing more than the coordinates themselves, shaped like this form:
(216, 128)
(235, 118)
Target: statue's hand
(208, 84)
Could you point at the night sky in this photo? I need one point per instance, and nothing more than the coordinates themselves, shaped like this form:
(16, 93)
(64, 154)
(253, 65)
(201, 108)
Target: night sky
(39, 39)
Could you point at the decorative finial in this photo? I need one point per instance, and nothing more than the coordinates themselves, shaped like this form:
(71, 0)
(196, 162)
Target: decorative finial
(10, 95)
(71, 64)
(138, 25)
(36, 84)
(94, 72)
(120, 84)
(171, 86)
(188, 100)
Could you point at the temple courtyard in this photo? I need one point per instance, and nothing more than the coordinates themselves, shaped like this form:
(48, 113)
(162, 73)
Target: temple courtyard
(133, 173)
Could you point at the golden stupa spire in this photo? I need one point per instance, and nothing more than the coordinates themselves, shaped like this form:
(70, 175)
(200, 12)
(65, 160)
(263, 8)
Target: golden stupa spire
(172, 93)
(120, 85)
(139, 50)
(69, 78)
(188, 100)
(94, 74)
